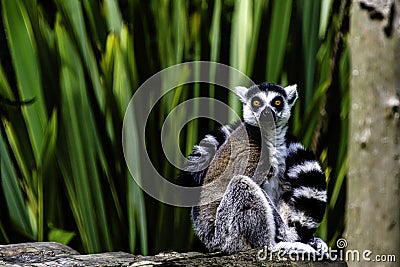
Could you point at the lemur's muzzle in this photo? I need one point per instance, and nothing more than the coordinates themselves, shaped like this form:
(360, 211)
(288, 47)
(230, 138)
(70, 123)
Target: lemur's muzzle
(267, 116)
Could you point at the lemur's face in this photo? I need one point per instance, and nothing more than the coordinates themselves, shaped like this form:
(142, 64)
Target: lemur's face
(266, 101)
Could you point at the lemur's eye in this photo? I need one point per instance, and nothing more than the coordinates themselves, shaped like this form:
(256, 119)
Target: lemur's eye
(256, 102)
(277, 102)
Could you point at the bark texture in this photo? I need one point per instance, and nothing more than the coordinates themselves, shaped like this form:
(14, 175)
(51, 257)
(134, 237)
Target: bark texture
(54, 254)
(373, 191)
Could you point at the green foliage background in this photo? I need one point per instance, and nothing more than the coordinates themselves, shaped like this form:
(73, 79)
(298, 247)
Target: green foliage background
(69, 68)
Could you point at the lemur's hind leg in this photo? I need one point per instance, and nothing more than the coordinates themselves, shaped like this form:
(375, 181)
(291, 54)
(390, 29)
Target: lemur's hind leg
(245, 217)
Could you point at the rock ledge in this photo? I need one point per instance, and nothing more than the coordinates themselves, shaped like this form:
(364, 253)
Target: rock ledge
(54, 254)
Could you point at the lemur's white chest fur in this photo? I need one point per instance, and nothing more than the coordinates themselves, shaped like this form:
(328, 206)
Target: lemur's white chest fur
(278, 151)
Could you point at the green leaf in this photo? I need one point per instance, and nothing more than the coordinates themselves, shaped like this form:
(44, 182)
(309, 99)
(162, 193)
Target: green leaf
(60, 235)
(241, 35)
(13, 193)
(258, 8)
(113, 16)
(310, 18)
(239, 45)
(50, 138)
(137, 217)
(326, 7)
(24, 58)
(77, 153)
(73, 14)
(5, 89)
(279, 30)
(215, 32)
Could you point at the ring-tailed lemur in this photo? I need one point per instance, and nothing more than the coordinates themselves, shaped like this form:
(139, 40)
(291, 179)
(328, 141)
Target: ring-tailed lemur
(274, 200)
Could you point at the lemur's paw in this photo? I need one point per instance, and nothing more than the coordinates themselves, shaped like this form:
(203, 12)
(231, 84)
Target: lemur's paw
(296, 250)
(314, 250)
(320, 246)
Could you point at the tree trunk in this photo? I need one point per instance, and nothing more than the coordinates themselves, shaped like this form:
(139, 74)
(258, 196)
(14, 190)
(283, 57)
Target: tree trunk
(373, 189)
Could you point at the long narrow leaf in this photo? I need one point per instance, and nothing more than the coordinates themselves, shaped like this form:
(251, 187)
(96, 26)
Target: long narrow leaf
(23, 51)
(73, 14)
(13, 192)
(80, 152)
(280, 21)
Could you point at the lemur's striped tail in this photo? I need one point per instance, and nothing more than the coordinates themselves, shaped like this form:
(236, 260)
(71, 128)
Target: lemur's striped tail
(307, 194)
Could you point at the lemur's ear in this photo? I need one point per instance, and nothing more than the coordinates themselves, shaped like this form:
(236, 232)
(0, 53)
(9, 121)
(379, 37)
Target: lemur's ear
(241, 93)
(291, 92)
